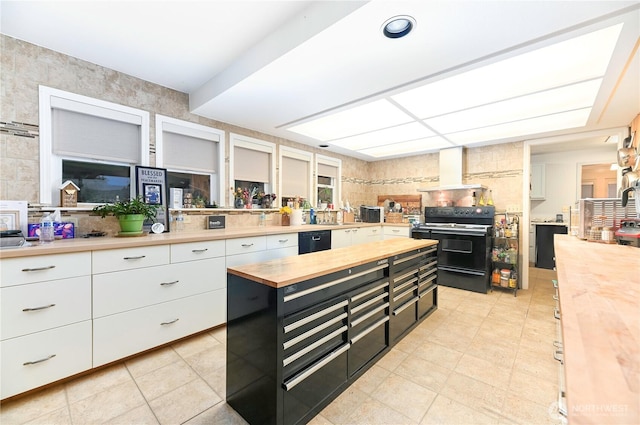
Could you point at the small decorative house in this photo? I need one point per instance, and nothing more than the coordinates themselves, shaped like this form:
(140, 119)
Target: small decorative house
(69, 194)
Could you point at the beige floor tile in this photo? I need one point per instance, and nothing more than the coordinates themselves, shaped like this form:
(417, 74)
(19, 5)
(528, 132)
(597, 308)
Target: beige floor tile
(523, 411)
(371, 379)
(220, 414)
(165, 379)
(184, 403)
(107, 404)
(544, 367)
(404, 395)
(486, 370)
(413, 340)
(423, 372)
(445, 337)
(392, 359)
(439, 354)
(496, 329)
(57, 417)
(149, 362)
(320, 420)
(88, 385)
(374, 412)
(474, 393)
(217, 381)
(496, 350)
(220, 334)
(344, 405)
(538, 390)
(196, 344)
(30, 407)
(447, 411)
(209, 360)
(141, 415)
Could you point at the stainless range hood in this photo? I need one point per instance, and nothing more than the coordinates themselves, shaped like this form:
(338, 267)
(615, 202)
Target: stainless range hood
(451, 172)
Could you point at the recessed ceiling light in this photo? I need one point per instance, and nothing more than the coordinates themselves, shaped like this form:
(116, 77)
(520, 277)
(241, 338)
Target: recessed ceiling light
(398, 26)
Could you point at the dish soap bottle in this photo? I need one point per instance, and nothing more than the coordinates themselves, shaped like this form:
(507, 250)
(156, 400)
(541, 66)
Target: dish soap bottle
(47, 233)
(490, 199)
(481, 202)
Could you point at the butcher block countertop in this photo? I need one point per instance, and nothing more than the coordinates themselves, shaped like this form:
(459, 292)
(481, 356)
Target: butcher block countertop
(289, 270)
(62, 246)
(599, 292)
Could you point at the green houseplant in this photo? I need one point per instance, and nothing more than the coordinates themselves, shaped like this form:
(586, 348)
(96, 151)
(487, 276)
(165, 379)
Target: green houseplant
(131, 213)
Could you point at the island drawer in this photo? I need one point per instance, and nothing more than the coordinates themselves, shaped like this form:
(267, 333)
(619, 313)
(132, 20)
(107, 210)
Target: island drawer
(197, 251)
(39, 306)
(113, 260)
(40, 268)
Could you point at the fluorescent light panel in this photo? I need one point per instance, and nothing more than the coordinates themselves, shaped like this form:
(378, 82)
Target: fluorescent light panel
(401, 133)
(404, 148)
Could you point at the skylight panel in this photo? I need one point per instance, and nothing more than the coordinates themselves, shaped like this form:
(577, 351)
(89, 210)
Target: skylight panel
(396, 134)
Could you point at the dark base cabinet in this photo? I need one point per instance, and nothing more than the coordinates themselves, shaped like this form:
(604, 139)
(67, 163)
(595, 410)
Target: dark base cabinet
(292, 350)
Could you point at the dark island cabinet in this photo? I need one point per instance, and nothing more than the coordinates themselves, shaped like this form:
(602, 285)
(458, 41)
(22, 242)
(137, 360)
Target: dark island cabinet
(291, 350)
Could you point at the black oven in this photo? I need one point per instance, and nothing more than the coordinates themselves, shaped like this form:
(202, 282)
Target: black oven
(464, 248)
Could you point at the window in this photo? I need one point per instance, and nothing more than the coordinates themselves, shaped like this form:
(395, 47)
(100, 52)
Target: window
(92, 142)
(193, 155)
(295, 174)
(328, 175)
(251, 164)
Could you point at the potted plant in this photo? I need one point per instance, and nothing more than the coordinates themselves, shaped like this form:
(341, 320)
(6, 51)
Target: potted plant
(131, 213)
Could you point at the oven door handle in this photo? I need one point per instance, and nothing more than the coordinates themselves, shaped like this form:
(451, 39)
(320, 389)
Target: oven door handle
(461, 232)
(458, 251)
(461, 271)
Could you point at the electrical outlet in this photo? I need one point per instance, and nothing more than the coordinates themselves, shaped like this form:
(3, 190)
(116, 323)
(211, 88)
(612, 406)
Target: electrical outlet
(513, 208)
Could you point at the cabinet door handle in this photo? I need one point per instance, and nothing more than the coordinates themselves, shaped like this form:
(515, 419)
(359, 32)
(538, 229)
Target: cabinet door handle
(37, 269)
(198, 251)
(169, 283)
(374, 230)
(283, 240)
(395, 230)
(134, 258)
(315, 238)
(169, 323)
(247, 245)
(558, 356)
(556, 313)
(38, 308)
(39, 361)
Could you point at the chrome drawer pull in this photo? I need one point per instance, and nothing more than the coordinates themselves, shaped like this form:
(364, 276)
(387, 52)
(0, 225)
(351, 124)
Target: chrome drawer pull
(369, 302)
(557, 344)
(293, 341)
(290, 384)
(283, 240)
(424, 282)
(398, 278)
(38, 308)
(315, 238)
(314, 316)
(404, 285)
(428, 291)
(411, 257)
(169, 323)
(37, 269)
(369, 292)
(39, 361)
(169, 283)
(247, 245)
(361, 319)
(408, 291)
(309, 348)
(556, 313)
(555, 297)
(332, 283)
(135, 258)
(558, 356)
(199, 251)
(405, 306)
(369, 330)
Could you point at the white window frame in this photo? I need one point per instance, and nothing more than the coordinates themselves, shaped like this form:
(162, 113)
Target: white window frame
(188, 128)
(247, 142)
(51, 164)
(337, 192)
(301, 155)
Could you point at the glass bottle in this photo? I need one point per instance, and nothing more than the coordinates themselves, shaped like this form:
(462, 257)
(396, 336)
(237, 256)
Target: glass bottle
(490, 199)
(481, 201)
(474, 200)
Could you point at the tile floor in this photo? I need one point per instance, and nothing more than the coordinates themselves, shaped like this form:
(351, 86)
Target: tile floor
(479, 359)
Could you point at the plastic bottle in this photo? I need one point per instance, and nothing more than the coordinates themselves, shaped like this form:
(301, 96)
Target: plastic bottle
(179, 222)
(263, 219)
(490, 199)
(312, 216)
(47, 233)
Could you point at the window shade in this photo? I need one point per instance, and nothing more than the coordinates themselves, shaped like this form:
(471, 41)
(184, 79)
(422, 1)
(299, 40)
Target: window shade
(182, 152)
(89, 136)
(251, 165)
(327, 171)
(295, 177)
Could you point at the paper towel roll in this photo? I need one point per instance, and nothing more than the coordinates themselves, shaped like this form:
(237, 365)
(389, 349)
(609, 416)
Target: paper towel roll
(296, 218)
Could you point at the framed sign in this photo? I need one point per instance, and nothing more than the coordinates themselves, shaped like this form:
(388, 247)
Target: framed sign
(152, 187)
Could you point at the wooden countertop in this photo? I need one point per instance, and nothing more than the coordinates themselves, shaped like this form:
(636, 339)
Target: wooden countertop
(599, 291)
(62, 246)
(290, 270)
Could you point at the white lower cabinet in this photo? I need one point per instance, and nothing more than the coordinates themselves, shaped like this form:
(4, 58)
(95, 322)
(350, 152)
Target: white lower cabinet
(121, 335)
(392, 232)
(341, 238)
(37, 359)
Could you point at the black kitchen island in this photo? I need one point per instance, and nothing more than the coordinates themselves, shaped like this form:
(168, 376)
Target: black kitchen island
(301, 329)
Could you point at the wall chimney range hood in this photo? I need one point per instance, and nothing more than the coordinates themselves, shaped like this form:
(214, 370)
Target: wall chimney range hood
(451, 172)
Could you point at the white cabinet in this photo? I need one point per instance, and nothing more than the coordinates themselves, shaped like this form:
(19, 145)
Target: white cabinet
(256, 249)
(283, 245)
(532, 243)
(392, 232)
(355, 236)
(537, 181)
(45, 320)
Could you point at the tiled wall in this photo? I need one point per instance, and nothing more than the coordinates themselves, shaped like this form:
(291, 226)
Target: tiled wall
(25, 66)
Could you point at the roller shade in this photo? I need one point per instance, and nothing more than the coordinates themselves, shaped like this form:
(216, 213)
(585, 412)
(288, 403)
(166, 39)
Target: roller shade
(251, 165)
(327, 171)
(295, 177)
(183, 152)
(89, 136)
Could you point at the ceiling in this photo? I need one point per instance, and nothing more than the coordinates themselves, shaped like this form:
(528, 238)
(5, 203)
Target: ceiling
(275, 65)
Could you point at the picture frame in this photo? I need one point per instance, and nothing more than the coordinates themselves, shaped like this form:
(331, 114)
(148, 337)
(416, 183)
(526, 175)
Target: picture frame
(152, 187)
(9, 220)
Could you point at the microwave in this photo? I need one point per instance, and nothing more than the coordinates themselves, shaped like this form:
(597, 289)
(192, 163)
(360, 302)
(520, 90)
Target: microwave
(371, 214)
